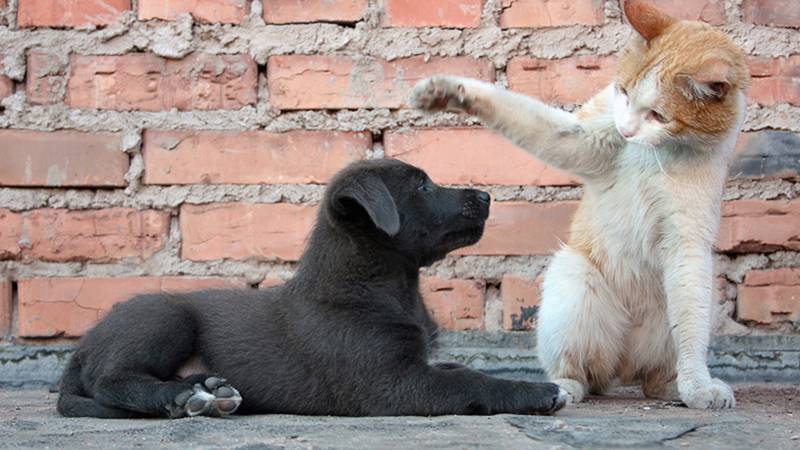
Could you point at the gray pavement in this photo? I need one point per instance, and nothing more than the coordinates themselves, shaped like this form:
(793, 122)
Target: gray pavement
(765, 418)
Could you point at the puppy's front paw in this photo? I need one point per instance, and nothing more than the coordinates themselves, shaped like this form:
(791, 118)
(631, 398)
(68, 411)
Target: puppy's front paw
(440, 93)
(715, 395)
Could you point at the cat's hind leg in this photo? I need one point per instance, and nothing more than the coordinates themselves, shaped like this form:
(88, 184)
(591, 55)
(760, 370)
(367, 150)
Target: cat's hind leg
(580, 326)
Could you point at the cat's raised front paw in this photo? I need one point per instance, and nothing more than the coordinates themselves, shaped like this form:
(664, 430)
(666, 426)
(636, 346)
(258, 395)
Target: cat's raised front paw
(716, 395)
(440, 93)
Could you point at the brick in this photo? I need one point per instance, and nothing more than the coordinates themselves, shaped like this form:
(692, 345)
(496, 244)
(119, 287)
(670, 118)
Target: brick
(424, 13)
(759, 226)
(245, 157)
(5, 308)
(775, 80)
(61, 159)
(85, 235)
(305, 11)
(785, 277)
(767, 154)
(46, 79)
(68, 307)
(550, 13)
(70, 13)
(769, 296)
(245, 231)
(271, 282)
(456, 305)
(709, 11)
(143, 81)
(10, 233)
(469, 156)
(210, 11)
(337, 82)
(776, 13)
(562, 81)
(521, 228)
(521, 297)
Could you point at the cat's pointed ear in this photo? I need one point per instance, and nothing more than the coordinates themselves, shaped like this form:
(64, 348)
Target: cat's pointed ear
(646, 19)
(712, 82)
(368, 192)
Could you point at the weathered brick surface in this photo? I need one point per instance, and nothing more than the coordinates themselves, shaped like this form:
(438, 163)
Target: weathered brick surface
(70, 13)
(550, 13)
(189, 157)
(68, 307)
(775, 80)
(336, 82)
(304, 11)
(61, 158)
(757, 225)
(86, 235)
(561, 81)
(425, 13)
(245, 231)
(143, 81)
(471, 156)
(780, 13)
(709, 11)
(770, 296)
(521, 297)
(520, 228)
(213, 11)
(454, 304)
(45, 80)
(5, 308)
(770, 153)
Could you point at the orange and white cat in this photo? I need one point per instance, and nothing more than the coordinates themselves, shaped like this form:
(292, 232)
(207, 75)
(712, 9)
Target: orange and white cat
(629, 298)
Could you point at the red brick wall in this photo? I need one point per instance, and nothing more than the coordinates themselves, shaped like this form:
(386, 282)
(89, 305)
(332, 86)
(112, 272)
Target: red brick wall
(162, 146)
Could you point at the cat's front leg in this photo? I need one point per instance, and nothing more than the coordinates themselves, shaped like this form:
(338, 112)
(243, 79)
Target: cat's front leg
(555, 136)
(688, 282)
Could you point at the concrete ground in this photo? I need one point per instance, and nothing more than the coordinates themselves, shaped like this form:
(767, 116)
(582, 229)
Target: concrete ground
(766, 417)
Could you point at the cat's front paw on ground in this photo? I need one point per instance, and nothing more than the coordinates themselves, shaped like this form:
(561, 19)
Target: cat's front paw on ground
(439, 93)
(715, 395)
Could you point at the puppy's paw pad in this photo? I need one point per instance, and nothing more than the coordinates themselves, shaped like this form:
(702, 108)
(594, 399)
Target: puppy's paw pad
(716, 395)
(194, 402)
(226, 398)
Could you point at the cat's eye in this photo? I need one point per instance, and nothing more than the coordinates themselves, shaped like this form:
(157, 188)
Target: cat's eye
(622, 91)
(657, 116)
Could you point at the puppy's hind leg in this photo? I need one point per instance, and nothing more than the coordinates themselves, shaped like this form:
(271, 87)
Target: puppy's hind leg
(199, 394)
(579, 328)
(138, 369)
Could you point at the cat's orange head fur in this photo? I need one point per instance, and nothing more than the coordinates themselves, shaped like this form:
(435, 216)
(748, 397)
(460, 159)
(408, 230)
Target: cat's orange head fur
(677, 79)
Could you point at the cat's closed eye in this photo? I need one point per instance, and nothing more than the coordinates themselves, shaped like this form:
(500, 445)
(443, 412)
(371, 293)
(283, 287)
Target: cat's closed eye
(654, 115)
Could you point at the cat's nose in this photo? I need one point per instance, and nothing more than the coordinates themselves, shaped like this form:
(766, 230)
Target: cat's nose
(626, 133)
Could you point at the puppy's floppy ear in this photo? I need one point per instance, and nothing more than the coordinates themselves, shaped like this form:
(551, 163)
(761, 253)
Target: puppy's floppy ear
(368, 191)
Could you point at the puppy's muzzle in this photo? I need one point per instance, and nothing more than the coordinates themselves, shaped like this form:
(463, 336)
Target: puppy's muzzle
(477, 205)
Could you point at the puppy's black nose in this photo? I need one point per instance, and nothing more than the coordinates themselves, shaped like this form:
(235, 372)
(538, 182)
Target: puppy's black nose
(484, 197)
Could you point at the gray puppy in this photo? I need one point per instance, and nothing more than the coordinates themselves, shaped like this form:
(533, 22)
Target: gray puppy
(348, 335)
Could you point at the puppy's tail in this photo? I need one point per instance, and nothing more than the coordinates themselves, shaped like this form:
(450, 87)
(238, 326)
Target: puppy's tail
(72, 400)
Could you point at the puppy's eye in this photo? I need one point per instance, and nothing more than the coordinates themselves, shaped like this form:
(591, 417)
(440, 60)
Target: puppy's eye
(424, 186)
(656, 116)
